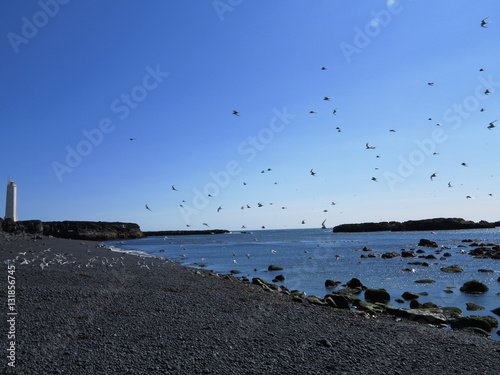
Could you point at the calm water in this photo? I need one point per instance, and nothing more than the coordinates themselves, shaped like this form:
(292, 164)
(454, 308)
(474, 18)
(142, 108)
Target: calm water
(310, 256)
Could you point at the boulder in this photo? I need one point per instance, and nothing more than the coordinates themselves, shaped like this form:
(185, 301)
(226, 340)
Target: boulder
(355, 283)
(279, 278)
(496, 311)
(425, 281)
(337, 300)
(486, 323)
(258, 281)
(427, 243)
(377, 295)
(390, 255)
(408, 296)
(474, 287)
(473, 307)
(452, 269)
(274, 268)
(330, 284)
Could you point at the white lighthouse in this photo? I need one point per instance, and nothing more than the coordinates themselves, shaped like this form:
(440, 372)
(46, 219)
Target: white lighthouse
(11, 203)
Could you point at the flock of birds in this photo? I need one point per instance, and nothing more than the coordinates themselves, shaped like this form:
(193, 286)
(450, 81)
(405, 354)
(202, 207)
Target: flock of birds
(491, 125)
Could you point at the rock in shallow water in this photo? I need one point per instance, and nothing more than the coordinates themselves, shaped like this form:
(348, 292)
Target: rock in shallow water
(474, 287)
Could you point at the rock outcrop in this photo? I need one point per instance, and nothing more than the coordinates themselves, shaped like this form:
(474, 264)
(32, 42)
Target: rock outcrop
(415, 225)
(78, 230)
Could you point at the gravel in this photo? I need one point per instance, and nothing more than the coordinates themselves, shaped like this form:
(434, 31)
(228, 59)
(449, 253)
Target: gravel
(83, 309)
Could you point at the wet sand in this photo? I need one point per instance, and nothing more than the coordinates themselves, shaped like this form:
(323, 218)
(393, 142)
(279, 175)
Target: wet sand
(83, 309)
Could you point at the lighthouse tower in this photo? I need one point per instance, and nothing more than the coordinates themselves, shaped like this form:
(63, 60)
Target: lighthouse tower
(11, 203)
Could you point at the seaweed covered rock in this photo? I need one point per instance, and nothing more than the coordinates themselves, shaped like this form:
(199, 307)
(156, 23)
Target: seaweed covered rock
(474, 287)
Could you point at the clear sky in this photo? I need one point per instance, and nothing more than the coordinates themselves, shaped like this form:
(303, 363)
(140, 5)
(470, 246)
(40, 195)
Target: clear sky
(81, 78)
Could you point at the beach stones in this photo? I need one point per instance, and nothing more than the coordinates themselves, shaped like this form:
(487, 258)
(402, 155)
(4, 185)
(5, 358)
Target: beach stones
(496, 311)
(355, 283)
(337, 300)
(474, 287)
(425, 281)
(452, 269)
(390, 255)
(377, 295)
(427, 243)
(279, 278)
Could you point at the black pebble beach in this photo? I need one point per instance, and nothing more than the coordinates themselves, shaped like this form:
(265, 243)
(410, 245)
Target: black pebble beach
(83, 309)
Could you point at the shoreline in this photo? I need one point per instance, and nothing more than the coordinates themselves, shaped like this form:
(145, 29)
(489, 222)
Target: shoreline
(91, 310)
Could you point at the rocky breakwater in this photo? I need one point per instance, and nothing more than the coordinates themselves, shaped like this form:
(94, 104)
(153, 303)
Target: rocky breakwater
(80, 230)
(415, 225)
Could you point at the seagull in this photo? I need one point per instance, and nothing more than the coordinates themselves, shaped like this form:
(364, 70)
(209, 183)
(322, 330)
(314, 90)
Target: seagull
(433, 175)
(243, 227)
(132, 139)
(464, 164)
(326, 98)
(469, 197)
(205, 224)
(220, 208)
(439, 124)
(210, 196)
(335, 111)
(260, 204)
(236, 113)
(484, 22)
(323, 68)
(481, 70)
(312, 112)
(173, 188)
(303, 222)
(323, 224)
(492, 124)
(368, 147)
(430, 83)
(374, 179)
(488, 194)
(333, 203)
(392, 131)
(450, 185)
(338, 129)
(312, 173)
(482, 109)
(147, 208)
(487, 92)
(273, 251)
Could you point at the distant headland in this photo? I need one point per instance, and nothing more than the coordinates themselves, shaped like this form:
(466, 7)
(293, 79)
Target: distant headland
(416, 225)
(90, 230)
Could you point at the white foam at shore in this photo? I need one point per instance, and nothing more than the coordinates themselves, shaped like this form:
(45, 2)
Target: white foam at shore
(131, 252)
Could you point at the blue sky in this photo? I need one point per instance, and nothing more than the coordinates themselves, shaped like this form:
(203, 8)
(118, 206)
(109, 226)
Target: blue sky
(82, 78)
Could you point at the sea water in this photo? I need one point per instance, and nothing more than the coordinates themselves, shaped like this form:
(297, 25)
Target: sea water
(311, 256)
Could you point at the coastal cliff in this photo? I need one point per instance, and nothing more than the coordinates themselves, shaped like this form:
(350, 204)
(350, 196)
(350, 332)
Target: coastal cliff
(415, 225)
(77, 230)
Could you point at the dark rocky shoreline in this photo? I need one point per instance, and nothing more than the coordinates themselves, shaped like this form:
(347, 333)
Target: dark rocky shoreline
(416, 225)
(93, 311)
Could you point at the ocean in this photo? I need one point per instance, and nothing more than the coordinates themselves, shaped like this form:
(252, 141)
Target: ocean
(311, 256)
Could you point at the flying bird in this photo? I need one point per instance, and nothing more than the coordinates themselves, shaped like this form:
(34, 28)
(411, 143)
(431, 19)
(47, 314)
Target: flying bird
(326, 98)
(430, 83)
(312, 173)
(236, 113)
(469, 197)
(368, 147)
(132, 139)
(464, 164)
(487, 92)
(450, 185)
(173, 188)
(323, 224)
(335, 111)
(338, 129)
(303, 222)
(205, 224)
(374, 179)
(433, 175)
(312, 112)
(220, 208)
(392, 131)
(147, 208)
(492, 125)
(484, 22)
(323, 68)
